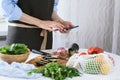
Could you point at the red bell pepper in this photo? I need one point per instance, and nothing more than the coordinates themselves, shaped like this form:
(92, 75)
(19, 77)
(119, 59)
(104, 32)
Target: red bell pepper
(95, 50)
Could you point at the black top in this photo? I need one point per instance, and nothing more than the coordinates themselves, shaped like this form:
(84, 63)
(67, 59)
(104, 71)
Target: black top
(41, 9)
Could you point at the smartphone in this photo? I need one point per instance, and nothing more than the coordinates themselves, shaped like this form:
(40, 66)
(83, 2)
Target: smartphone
(68, 28)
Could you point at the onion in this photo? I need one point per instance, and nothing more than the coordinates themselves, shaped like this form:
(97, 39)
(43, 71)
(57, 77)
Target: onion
(61, 51)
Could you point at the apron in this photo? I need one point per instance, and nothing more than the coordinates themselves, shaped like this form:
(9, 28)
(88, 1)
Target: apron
(30, 35)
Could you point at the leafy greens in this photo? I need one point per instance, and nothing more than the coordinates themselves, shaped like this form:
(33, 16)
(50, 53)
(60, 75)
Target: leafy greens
(16, 48)
(56, 71)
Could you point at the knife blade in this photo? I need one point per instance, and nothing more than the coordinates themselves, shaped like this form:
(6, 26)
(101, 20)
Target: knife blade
(41, 53)
(56, 58)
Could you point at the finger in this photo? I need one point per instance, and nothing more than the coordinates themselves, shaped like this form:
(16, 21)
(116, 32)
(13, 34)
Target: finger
(59, 26)
(70, 23)
(50, 29)
(62, 32)
(65, 31)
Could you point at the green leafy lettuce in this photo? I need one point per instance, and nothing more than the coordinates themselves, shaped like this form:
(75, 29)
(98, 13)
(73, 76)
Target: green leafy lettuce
(16, 48)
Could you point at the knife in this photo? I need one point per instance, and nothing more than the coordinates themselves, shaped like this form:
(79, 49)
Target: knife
(41, 53)
(47, 55)
(56, 58)
(68, 28)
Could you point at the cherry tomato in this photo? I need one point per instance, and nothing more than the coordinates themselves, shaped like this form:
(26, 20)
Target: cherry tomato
(82, 53)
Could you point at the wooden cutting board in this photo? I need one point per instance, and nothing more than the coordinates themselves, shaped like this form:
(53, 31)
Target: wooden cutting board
(37, 59)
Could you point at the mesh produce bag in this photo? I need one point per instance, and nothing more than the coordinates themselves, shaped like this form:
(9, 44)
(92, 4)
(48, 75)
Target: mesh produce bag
(93, 64)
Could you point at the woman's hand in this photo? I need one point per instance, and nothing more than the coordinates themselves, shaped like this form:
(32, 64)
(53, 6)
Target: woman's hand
(47, 25)
(67, 24)
(51, 25)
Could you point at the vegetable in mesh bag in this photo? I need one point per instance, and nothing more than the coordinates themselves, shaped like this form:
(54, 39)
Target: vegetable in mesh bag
(92, 64)
(100, 64)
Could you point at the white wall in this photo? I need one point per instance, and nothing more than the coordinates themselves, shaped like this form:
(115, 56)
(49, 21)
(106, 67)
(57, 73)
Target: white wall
(96, 21)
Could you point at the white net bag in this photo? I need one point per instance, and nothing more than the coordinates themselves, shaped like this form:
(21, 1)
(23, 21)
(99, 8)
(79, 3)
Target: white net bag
(93, 64)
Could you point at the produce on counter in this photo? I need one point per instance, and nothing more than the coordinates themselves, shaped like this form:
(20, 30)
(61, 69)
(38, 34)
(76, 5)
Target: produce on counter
(92, 64)
(95, 50)
(66, 53)
(56, 71)
(73, 49)
(82, 53)
(62, 52)
(59, 56)
(16, 52)
(97, 65)
(14, 49)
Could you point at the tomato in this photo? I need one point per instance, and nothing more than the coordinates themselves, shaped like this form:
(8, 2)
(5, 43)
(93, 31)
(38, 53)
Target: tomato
(95, 50)
(82, 53)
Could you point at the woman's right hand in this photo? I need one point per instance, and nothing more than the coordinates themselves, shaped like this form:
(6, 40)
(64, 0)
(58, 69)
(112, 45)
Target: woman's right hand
(51, 25)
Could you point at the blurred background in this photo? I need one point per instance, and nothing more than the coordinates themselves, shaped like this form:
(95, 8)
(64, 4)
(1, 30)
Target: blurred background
(3, 28)
(98, 20)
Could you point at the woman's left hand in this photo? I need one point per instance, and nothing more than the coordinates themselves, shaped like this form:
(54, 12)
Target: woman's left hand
(66, 24)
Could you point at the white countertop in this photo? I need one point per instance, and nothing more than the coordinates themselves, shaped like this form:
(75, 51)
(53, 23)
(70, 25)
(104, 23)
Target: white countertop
(113, 75)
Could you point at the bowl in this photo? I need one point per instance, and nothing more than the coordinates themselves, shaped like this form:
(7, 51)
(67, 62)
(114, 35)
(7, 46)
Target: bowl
(14, 58)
